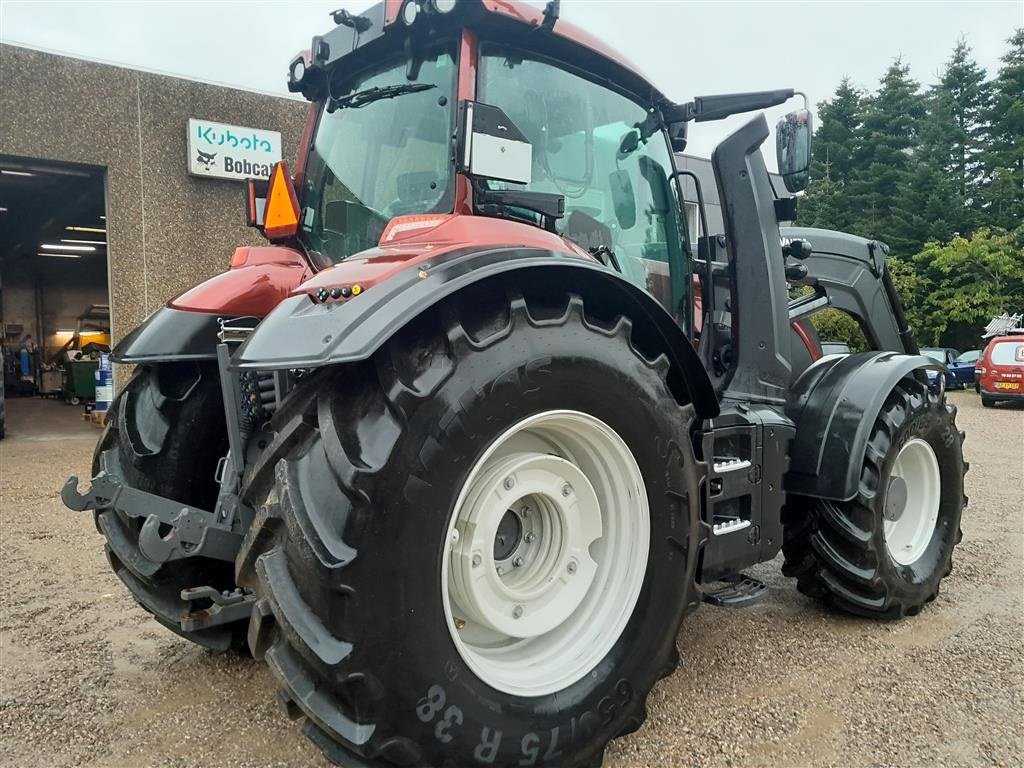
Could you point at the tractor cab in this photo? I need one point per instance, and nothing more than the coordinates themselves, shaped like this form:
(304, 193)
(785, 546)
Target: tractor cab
(427, 113)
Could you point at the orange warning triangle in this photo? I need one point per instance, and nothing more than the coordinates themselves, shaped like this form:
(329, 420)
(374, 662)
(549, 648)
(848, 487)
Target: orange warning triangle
(281, 214)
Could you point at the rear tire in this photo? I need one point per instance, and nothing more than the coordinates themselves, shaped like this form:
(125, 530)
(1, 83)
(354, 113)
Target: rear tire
(348, 547)
(165, 434)
(848, 554)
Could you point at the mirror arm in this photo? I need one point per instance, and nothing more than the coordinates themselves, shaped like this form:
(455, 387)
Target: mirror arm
(717, 106)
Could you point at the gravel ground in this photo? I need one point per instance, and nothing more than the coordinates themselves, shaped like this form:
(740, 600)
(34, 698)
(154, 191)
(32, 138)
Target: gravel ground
(87, 679)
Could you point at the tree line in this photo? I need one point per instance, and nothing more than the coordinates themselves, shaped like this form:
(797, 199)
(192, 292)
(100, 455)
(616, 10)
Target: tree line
(937, 173)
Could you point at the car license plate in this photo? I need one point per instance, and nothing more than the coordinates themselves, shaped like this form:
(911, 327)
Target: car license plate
(1007, 385)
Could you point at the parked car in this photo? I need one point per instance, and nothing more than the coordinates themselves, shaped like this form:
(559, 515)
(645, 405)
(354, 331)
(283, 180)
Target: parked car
(1001, 370)
(946, 356)
(834, 348)
(963, 368)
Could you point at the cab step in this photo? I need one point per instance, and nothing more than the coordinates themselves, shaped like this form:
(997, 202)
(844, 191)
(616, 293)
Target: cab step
(736, 591)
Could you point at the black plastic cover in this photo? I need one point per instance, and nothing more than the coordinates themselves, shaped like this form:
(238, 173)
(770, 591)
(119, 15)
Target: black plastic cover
(170, 334)
(760, 314)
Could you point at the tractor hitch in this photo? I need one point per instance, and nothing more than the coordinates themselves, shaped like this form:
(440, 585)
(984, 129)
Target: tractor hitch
(191, 531)
(227, 607)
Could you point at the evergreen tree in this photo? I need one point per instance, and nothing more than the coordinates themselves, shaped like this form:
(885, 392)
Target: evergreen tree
(833, 149)
(944, 191)
(960, 106)
(1004, 160)
(884, 164)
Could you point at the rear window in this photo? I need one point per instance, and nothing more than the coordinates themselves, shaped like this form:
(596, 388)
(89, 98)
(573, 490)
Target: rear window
(1007, 353)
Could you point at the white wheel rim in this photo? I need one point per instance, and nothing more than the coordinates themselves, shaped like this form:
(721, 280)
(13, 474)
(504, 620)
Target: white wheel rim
(546, 620)
(909, 531)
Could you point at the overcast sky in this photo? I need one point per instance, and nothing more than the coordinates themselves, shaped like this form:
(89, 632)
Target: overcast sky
(687, 48)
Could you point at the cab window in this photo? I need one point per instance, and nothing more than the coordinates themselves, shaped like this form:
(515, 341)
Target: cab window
(587, 147)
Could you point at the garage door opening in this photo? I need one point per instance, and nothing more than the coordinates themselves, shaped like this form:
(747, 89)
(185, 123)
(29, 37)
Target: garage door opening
(54, 292)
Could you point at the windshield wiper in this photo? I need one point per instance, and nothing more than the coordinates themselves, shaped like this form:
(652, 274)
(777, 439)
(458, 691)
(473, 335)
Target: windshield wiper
(376, 93)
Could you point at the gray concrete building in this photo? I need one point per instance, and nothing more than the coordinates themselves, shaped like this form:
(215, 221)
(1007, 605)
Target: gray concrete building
(98, 154)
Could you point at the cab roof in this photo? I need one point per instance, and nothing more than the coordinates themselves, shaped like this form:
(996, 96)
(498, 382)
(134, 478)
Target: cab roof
(359, 41)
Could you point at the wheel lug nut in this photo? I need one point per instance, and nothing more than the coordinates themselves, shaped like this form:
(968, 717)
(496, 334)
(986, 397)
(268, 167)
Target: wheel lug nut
(571, 567)
(566, 490)
(530, 537)
(500, 570)
(518, 562)
(525, 511)
(509, 483)
(477, 560)
(517, 612)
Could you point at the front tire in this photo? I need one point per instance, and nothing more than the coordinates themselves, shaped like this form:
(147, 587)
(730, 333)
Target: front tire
(884, 553)
(350, 549)
(164, 434)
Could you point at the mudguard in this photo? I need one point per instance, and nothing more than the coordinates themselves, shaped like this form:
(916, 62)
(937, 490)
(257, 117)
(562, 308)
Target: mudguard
(169, 335)
(304, 332)
(834, 404)
(186, 329)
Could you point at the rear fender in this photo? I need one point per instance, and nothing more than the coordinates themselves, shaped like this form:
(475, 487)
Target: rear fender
(303, 332)
(834, 405)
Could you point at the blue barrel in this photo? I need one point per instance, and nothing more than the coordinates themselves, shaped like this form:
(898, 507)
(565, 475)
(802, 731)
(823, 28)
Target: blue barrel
(104, 383)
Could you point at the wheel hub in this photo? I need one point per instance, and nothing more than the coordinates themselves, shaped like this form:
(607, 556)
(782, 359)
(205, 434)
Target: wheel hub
(895, 498)
(517, 587)
(912, 502)
(547, 552)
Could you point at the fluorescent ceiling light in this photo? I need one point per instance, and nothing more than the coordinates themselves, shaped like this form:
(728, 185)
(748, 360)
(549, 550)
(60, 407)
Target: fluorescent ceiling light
(91, 333)
(7, 172)
(2, 209)
(103, 217)
(63, 331)
(86, 229)
(59, 247)
(87, 242)
(62, 255)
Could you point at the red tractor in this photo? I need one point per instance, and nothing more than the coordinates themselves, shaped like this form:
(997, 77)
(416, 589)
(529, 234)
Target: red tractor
(456, 454)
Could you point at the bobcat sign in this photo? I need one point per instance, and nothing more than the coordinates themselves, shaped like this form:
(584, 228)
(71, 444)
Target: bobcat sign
(231, 151)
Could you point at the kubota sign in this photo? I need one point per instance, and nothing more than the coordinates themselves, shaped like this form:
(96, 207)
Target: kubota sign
(231, 151)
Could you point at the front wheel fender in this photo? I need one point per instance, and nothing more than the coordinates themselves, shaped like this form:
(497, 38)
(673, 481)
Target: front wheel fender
(834, 404)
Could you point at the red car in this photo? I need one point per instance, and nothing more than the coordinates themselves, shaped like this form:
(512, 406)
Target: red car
(1000, 370)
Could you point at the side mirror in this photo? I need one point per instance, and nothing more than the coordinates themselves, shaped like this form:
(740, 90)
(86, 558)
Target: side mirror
(271, 205)
(255, 201)
(623, 199)
(793, 149)
(490, 146)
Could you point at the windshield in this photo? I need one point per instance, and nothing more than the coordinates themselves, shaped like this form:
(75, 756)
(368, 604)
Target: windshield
(969, 357)
(382, 149)
(586, 146)
(935, 354)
